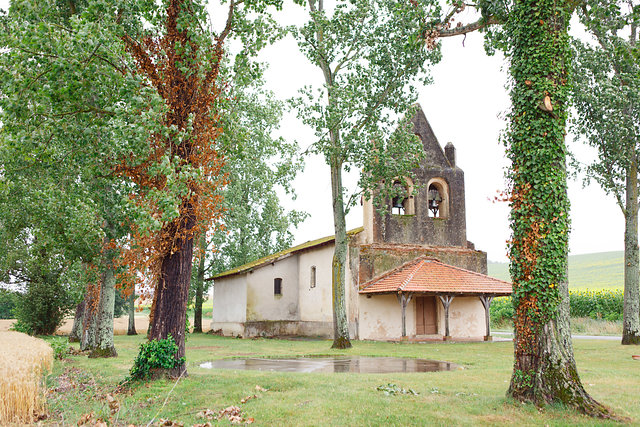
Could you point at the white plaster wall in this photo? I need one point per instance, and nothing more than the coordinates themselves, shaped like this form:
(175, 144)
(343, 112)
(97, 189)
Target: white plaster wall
(466, 318)
(315, 303)
(381, 317)
(230, 299)
(261, 303)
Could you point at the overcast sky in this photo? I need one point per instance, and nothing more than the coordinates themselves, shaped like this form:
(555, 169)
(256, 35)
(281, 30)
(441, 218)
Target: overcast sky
(464, 106)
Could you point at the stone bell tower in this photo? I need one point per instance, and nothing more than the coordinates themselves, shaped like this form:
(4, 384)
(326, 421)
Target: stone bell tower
(432, 211)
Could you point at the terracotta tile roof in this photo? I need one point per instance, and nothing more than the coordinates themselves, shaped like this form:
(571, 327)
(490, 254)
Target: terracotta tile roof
(282, 254)
(428, 275)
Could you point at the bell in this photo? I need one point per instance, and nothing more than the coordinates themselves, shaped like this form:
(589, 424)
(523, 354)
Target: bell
(434, 201)
(398, 202)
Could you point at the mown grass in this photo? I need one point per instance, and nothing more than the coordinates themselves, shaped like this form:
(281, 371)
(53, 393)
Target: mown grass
(604, 270)
(474, 395)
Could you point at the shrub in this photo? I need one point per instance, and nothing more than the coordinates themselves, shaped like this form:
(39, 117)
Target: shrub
(501, 309)
(41, 309)
(596, 304)
(7, 303)
(60, 347)
(155, 354)
(23, 360)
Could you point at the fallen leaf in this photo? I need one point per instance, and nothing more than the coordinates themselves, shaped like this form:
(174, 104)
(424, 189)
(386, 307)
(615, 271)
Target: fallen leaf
(84, 419)
(248, 398)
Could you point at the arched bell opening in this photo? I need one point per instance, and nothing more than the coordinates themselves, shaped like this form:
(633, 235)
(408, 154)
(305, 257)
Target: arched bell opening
(402, 203)
(438, 198)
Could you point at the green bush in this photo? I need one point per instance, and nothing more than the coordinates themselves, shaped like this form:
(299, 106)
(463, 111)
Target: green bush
(596, 304)
(41, 309)
(501, 309)
(60, 347)
(155, 354)
(7, 303)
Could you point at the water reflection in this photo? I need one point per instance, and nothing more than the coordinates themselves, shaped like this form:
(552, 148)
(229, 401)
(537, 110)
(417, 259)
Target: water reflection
(363, 365)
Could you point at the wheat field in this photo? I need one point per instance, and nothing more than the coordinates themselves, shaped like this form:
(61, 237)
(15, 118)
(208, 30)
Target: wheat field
(23, 361)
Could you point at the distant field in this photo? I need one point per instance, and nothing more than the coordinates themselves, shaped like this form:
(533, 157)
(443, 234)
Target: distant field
(603, 270)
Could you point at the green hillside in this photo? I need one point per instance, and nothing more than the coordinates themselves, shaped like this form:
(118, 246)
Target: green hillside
(603, 270)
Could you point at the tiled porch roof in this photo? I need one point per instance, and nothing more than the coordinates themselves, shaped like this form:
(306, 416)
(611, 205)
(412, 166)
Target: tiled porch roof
(428, 275)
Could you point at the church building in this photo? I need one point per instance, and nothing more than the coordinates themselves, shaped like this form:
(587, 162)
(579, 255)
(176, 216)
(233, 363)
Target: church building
(411, 274)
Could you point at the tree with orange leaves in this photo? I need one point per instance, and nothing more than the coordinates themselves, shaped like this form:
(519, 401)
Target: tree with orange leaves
(177, 182)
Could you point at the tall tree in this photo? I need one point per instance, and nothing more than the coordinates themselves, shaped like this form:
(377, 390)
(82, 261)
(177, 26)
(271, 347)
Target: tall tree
(369, 54)
(606, 97)
(177, 182)
(65, 113)
(534, 36)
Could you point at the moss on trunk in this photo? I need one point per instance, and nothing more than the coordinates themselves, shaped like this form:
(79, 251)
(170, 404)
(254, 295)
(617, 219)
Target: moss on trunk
(631, 307)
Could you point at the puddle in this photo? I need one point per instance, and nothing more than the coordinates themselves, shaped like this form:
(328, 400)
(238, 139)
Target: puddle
(362, 365)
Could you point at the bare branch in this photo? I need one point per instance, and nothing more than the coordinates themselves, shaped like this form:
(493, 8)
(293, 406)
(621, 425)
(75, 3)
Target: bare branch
(227, 28)
(474, 26)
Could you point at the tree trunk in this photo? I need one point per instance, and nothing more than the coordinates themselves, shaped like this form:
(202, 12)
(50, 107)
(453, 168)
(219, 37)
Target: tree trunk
(547, 372)
(171, 296)
(544, 367)
(631, 308)
(104, 317)
(76, 330)
(340, 321)
(197, 310)
(97, 335)
(131, 329)
(90, 322)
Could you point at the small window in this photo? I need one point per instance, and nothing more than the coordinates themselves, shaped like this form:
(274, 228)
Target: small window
(312, 281)
(277, 286)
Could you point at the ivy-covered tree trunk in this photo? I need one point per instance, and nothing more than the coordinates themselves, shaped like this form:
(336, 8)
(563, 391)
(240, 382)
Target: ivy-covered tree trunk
(631, 308)
(544, 370)
(78, 320)
(199, 297)
(338, 270)
(131, 329)
(171, 296)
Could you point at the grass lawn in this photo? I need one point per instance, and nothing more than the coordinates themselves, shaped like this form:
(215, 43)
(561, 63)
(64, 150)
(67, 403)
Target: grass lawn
(474, 395)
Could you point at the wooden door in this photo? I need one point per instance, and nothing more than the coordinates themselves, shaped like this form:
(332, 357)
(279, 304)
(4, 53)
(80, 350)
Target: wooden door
(426, 316)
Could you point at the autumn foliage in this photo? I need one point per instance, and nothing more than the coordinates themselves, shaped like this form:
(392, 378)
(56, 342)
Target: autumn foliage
(176, 181)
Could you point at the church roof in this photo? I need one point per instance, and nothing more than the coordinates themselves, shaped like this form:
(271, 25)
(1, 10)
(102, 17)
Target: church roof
(282, 254)
(428, 275)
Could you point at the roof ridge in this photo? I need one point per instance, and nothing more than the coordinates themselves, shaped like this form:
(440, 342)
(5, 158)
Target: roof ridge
(412, 274)
(276, 256)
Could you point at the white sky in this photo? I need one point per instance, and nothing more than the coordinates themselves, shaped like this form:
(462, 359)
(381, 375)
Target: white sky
(463, 106)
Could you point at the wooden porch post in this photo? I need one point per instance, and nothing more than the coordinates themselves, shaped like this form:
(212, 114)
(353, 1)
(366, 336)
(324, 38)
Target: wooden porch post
(446, 301)
(486, 302)
(404, 299)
